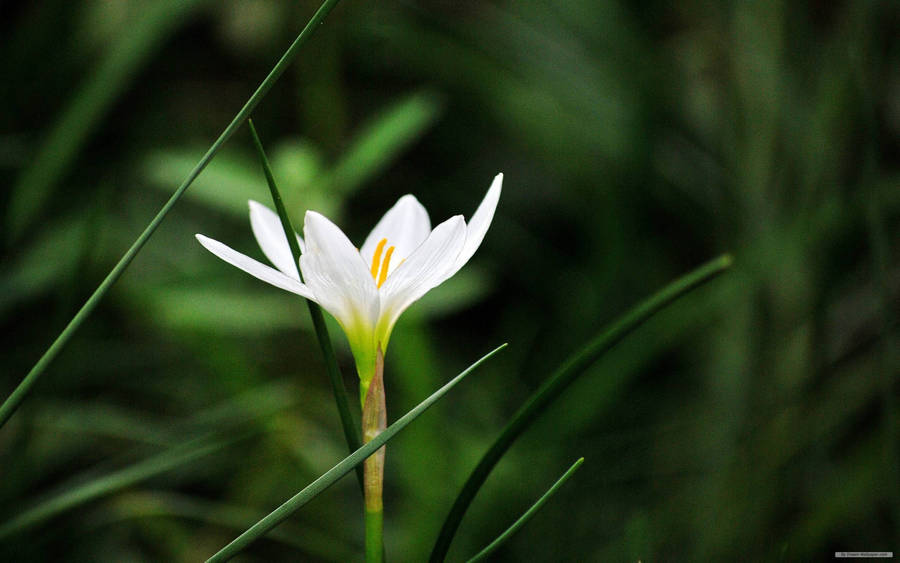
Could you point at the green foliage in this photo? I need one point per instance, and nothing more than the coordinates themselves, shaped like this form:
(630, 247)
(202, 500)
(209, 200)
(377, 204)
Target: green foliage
(119, 66)
(755, 419)
(24, 387)
(553, 386)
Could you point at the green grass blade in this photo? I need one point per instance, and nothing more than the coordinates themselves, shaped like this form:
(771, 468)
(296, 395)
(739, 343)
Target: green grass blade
(113, 482)
(18, 395)
(335, 473)
(90, 103)
(351, 432)
(559, 381)
(501, 539)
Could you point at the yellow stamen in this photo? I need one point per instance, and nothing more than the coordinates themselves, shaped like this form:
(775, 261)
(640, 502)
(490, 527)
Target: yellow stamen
(377, 258)
(384, 266)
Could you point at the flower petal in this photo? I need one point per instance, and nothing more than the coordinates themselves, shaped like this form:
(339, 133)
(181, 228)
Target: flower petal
(481, 220)
(256, 269)
(269, 234)
(337, 275)
(405, 226)
(431, 263)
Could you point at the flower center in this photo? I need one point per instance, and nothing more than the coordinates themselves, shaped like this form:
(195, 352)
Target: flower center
(376, 262)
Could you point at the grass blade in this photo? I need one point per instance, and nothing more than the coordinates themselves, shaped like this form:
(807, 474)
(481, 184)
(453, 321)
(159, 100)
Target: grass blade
(553, 387)
(18, 395)
(335, 473)
(501, 539)
(113, 482)
(351, 434)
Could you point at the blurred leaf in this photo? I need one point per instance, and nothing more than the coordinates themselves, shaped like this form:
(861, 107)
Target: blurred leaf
(60, 419)
(226, 184)
(112, 76)
(43, 263)
(76, 495)
(466, 288)
(183, 307)
(167, 505)
(383, 139)
(297, 165)
(233, 177)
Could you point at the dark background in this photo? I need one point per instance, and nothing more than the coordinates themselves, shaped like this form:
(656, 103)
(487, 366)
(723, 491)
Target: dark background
(755, 419)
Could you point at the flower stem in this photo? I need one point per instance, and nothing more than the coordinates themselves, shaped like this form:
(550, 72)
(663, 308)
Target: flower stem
(374, 543)
(330, 477)
(315, 312)
(374, 421)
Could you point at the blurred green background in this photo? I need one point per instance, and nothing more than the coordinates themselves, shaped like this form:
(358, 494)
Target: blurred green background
(756, 419)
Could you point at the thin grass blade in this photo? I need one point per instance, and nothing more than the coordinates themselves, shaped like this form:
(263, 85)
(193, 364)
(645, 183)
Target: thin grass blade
(502, 538)
(351, 433)
(331, 476)
(113, 482)
(553, 387)
(18, 395)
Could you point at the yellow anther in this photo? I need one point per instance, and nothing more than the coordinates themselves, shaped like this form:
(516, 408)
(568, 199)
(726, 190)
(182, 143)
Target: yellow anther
(376, 260)
(384, 266)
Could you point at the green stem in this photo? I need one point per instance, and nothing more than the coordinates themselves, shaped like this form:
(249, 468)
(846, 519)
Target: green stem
(374, 534)
(21, 391)
(553, 387)
(331, 365)
(374, 421)
(331, 476)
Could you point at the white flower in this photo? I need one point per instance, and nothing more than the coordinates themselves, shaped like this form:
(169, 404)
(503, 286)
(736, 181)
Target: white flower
(367, 289)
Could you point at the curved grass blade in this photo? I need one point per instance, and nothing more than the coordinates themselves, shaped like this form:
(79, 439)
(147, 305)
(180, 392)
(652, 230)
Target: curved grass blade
(113, 482)
(501, 539)
(89, 104)
(351, 434)
(18, 395)
(553, 387)
(331, 476)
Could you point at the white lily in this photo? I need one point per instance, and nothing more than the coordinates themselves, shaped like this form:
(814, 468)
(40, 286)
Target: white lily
(365, 289)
